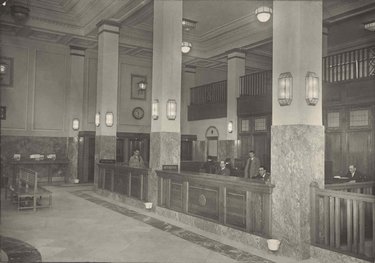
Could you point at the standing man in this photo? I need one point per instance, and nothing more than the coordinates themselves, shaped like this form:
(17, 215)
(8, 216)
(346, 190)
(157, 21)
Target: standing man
(136, 160)
(252, 166)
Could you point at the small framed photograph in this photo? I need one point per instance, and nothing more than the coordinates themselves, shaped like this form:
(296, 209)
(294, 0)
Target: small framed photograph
(138, 93)
(6, 71)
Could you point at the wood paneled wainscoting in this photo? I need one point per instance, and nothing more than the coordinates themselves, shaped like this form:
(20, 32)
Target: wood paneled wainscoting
(124, 180)
(231, 201)
(344, 221)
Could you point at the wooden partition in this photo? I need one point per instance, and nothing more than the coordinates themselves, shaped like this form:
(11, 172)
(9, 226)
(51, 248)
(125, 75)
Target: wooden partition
(343, 221)
(360, 188)
(231, 201)
(125, 180)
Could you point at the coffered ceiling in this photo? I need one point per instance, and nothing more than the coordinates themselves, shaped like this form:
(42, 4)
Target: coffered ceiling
(222, 25)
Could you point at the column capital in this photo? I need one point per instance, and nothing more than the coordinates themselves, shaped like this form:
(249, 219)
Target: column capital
(236, 53)
(77, 51)
(108, 26)
(190, 69)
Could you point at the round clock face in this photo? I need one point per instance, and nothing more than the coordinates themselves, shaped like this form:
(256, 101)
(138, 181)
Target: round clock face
(138, 113)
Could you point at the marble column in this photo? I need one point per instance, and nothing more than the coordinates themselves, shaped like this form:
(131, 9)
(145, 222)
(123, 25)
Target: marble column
(107, 86)
(236, 69)
(297, 134)
(165, 138)
(75, 100)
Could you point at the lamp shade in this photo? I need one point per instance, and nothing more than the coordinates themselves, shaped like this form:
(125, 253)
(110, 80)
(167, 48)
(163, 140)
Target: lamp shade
(97, 119)
(171, 109)
(75, 124)
(19, 11)
(155, 109)
(142, 85)
(230, 126)
(285, 89)
(185, 47)
(109, 119)
(312, 88)
(263, 13)
(4, 68)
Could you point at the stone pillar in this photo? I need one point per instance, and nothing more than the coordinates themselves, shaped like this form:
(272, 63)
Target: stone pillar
(297, 134)
(188, 82)
(107, 85)
(165, 138)
(236, 69)
(75, 100)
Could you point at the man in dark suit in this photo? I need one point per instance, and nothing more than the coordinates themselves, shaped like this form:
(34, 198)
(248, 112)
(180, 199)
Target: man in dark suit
(252, 165)
(355, 175)
(263, 174)
(223, 170)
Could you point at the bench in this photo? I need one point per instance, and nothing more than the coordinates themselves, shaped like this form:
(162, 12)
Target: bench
(26, 193)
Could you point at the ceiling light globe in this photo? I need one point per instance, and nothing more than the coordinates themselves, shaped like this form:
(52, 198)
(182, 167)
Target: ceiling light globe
(185, 47)
(263, 13)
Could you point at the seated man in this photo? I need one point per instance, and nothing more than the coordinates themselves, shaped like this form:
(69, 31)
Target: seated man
(223, 170)
(354, 175)
(263, 174)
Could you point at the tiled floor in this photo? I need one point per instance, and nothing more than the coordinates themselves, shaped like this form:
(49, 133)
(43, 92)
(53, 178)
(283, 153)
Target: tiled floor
(82, 226)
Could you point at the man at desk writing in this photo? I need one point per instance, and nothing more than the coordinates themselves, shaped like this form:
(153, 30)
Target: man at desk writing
(353, 174)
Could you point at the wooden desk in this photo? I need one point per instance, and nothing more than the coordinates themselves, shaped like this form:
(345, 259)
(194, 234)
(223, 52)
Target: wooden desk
(40, 165)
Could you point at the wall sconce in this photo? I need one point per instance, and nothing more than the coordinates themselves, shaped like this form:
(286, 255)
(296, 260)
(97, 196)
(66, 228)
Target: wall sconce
(4, 67)
(142, 85)
(20, 10)
(285, 89)
(171, 109)
(312, 88)
(155, 109)
(185, 47)
(188, 24)
(230, 126)
(97, 119)
(75, 124)
(263, 13)
(109, 119)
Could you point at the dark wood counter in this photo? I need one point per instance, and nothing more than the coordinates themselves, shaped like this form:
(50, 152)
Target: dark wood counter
(122, 179)
(236, 202)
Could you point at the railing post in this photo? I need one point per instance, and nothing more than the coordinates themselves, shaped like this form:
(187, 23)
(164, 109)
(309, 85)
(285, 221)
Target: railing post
(112, 179)
(313, 212)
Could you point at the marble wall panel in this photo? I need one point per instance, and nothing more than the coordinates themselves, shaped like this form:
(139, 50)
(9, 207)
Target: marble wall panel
(164, 150)
(73, 157)
(226, 149)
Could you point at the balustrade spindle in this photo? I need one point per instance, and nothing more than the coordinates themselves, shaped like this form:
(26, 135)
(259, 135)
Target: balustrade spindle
(355, 226)
(331, 221)
(349, 224)
(337, 222)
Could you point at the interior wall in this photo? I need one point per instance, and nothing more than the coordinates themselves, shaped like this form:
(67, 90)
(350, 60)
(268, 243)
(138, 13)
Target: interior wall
(207, 75)
(36, 101)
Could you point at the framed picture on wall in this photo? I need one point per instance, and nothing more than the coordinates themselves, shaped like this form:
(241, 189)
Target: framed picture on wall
(6, 71)
(138, 93)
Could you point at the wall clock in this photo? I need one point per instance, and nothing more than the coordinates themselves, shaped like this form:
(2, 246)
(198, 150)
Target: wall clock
(138, 113)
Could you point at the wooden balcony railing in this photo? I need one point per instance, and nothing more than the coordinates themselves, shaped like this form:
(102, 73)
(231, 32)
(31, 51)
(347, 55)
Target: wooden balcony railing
(125, 180)
(256, 84)
(343, 222)
(360, 188)
(350, 65)
(231, 201)
(212, 93)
